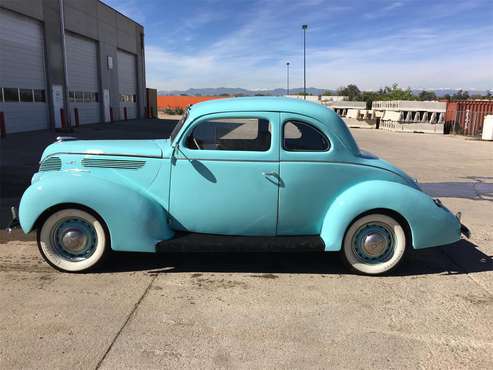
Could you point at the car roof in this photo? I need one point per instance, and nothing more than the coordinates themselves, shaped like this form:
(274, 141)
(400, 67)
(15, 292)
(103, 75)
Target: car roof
(277, 104)
(260, 104)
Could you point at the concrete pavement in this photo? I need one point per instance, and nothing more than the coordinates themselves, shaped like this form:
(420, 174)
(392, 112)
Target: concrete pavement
(269, 310)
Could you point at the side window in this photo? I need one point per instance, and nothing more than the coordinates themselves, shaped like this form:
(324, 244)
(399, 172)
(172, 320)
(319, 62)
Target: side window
(10, 94)
(39, 96)
(26, 95)
(302, 137)
(240, 134)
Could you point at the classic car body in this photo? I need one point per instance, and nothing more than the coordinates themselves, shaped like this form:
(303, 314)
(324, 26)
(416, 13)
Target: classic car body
(214, 176)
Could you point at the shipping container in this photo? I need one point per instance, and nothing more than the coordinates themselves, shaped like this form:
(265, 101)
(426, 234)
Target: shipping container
(182, 102)
(467, 116)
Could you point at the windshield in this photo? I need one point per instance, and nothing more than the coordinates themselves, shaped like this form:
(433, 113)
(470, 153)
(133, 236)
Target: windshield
(179, 125)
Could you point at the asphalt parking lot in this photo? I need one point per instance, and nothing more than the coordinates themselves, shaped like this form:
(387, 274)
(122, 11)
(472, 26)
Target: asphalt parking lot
(259, 310)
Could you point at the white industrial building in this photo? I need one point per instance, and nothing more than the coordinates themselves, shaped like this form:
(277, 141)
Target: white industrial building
(409, 115)
(311, 98)
(326, 99)
(68, 62)
(321, 99)
(350, 109)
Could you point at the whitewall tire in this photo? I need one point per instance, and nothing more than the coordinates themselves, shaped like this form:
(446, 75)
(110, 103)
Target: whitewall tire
(374, 244)
(73, 240)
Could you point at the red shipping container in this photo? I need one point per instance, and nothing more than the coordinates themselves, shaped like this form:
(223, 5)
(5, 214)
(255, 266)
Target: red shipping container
(467, 116)
(164, 102)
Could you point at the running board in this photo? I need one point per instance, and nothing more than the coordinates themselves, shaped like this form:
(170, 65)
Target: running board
(194, 242)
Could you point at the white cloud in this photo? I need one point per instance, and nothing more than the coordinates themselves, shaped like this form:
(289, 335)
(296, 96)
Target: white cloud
(410, 61)
(381, 11)
(253, 56)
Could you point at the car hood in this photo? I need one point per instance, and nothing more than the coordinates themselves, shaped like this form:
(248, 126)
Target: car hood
(371, 159)
(127, 148)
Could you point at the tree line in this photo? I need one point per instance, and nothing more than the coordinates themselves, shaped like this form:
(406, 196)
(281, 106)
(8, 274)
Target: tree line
(395, 92)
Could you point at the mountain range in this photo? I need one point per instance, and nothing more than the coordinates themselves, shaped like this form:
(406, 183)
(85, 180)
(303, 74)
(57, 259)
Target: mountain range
(212, 91)
(237, 91)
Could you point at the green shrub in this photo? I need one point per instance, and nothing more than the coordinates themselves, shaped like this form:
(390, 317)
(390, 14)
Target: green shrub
(173, 110)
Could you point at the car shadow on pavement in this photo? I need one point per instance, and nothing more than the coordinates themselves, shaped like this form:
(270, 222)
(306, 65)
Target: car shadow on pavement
(458, 258)
(481, 188)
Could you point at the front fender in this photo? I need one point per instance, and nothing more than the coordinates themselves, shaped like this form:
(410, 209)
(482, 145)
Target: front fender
(430, 225)
(135, 221)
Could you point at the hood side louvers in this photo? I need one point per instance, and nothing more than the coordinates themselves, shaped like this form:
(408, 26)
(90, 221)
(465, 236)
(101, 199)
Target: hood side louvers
(51, 164)
(123, 164)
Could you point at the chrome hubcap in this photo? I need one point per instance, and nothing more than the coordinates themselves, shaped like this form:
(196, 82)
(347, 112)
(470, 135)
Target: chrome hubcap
(373, 243)
(74, 239)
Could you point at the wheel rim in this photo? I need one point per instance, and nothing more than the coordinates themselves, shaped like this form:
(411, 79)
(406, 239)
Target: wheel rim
(74, 239)
(373, 243)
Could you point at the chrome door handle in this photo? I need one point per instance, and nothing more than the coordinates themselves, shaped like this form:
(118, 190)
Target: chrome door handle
(270, 173)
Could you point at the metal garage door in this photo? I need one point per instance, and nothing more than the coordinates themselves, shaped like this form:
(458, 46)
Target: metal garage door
(127, 81)
(22, 73)
(82, 67)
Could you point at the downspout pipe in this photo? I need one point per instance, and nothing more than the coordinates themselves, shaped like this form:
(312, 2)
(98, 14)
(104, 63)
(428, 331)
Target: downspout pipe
(66, 105)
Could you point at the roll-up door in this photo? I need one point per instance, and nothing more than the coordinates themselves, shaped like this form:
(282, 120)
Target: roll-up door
(23, 96)
(127, 81)
(82, 67)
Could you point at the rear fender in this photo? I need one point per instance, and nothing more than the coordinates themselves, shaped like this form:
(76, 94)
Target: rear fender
(430, 225)
(136, 221)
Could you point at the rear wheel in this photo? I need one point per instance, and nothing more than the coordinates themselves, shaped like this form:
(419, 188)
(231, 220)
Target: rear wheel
(73, 240)
(374, 244)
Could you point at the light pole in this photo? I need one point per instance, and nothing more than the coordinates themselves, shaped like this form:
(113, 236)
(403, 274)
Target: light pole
(304, 27)
(287, 81)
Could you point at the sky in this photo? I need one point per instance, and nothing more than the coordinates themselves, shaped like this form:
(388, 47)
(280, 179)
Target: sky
(371, 43)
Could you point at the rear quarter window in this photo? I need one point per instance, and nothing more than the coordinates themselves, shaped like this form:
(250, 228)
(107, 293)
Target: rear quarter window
(302, 137)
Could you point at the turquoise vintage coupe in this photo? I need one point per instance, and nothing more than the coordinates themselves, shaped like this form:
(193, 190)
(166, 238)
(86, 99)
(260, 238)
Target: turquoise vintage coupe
(248, 168)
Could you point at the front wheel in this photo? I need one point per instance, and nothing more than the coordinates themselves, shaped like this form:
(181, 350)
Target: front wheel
(73, 240)
(374, 244)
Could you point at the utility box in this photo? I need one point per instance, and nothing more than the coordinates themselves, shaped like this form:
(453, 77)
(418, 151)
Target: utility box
(488, 128)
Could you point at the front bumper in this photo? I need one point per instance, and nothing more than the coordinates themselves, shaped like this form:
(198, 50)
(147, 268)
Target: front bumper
(14, 223)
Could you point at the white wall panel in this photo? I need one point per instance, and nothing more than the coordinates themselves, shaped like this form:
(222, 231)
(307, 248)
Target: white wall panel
(127, 81)
(22, 65)
(82, 67)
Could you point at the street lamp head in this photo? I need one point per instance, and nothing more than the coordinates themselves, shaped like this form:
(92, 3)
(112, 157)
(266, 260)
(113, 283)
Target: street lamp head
(287, 63)
(305, 26)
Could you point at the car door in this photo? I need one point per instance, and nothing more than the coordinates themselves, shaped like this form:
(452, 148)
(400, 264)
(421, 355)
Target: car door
(224, 175)
(308, 174)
